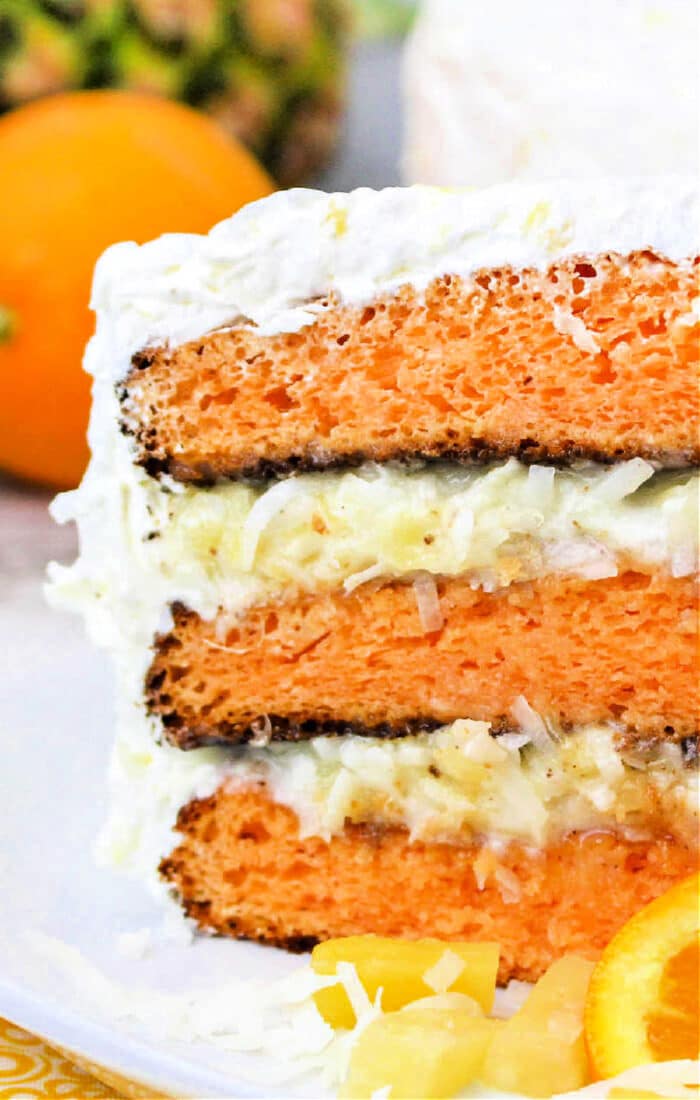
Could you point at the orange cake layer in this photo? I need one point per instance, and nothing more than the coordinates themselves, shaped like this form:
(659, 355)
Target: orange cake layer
(594, 358)
(621, 649)
(241, 869)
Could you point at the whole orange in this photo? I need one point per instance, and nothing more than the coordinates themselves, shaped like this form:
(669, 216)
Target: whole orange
(77, 173)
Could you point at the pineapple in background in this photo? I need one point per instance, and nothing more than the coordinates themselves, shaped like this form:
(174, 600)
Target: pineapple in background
(271, 72)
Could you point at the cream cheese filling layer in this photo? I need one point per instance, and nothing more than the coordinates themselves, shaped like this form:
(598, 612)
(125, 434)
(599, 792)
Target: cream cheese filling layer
(456, 785)
(499, 524)
(461, 783)
(233, 545)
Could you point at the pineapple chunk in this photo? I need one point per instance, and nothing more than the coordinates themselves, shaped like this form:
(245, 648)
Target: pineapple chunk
(425, 1052)
(540, 1050)
(405, 970)
(460, 1003)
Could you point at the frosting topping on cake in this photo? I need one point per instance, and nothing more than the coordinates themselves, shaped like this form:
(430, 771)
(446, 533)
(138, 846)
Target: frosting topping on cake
(274, 263)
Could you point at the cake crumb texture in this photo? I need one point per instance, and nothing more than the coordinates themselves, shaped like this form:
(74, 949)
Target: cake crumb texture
(241, 869)
(620, 649)
(596, 357)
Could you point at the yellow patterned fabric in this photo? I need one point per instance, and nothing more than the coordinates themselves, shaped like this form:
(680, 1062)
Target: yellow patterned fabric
(29, 1069)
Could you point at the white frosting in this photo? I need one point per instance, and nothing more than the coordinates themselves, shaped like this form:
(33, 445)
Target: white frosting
(274, 262)
(508, 90)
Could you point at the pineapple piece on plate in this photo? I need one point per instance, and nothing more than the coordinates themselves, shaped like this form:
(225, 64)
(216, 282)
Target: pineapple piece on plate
(540, 1050)
(423, 1051)
(405, 970)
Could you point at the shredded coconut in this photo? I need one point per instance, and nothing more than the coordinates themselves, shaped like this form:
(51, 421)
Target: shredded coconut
(369, 574)
(350, 980)
(135, 945)
(667, 1079)
(483, 867)
(428, 601)
(585, 557)
(684, 562)
(444, 973)
(530, 722)
(220, 646)
(568, 324)
(269, 505)
(508, 884)
(445, 1002)
(277, 1019)
(623, 479)
(262, 731)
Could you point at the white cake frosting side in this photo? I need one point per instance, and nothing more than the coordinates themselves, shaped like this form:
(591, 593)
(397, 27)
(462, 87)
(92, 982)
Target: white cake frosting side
(273, 263)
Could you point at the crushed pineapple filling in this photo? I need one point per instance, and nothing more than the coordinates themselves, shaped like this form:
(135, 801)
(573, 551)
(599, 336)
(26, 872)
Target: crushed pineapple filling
(461, 782)
(502, 523)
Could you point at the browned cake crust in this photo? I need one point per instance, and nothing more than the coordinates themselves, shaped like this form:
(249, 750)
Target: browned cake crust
(471, 370)
(622, 649)
(242, 870)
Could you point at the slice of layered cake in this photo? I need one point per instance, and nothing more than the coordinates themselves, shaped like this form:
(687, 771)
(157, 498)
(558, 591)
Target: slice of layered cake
(391, 525)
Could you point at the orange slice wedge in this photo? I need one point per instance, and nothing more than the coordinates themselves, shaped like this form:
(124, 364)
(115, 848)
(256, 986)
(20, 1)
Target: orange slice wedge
(643, 999)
